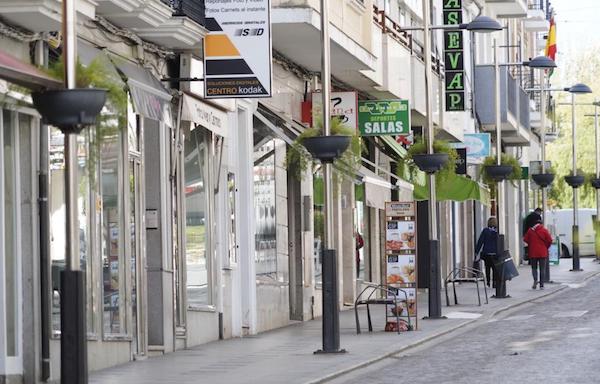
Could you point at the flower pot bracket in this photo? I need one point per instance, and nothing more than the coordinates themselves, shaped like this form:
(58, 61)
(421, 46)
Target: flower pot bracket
(430, 162)
(70, 110)
(326, 148)
(543, 179)
(575, 181)
(498, 172)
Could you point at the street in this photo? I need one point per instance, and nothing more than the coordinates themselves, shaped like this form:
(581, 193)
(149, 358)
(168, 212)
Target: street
(551, 340)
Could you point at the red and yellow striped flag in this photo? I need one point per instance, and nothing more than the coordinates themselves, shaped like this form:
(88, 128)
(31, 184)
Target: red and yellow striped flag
(551, 42)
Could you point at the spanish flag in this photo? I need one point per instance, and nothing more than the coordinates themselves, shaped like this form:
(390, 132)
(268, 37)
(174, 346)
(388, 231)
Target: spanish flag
(551, 42)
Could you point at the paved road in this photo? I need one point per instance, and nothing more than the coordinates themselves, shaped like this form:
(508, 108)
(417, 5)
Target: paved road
(553, 340)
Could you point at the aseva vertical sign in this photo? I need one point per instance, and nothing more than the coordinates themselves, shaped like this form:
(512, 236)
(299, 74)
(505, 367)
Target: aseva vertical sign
(454, 57)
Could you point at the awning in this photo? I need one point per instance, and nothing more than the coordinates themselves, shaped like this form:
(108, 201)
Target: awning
(273, 127)
(24, 74)
(454, 188)
(396, 149)
(204, 114)
(150, 98)
(377, 189)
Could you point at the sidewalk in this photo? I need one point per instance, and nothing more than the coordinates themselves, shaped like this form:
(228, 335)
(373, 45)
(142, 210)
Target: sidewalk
(286, 355)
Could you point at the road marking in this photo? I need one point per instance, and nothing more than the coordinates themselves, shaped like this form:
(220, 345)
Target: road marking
(570, 314)
(463, 315)
(519, 318)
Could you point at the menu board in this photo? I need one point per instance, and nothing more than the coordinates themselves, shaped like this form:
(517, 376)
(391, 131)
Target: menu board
(401, 258)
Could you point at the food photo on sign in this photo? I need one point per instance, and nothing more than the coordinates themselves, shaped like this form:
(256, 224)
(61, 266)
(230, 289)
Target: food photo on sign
(401, 269)
(400, 235)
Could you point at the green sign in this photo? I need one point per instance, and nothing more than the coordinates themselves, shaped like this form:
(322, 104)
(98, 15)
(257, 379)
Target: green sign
(383, 117)
(454, 56)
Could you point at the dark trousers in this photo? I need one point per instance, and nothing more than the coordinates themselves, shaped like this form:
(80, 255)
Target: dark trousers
(489, 268)
(535, 262)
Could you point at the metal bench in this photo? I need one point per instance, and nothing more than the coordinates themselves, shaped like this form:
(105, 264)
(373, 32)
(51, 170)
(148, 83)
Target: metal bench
(457, 276)
(389, 299)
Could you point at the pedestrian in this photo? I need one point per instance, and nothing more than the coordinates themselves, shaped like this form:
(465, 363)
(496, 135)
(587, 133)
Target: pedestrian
(529, 222)
(359, 244)
(539, 241)
(488, 245)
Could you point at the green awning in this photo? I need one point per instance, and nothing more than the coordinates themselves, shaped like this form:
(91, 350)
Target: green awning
(454, 188)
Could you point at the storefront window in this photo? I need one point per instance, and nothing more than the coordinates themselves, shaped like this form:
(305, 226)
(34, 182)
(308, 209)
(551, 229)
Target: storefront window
(265, 254)
(361, 231)
(10, 252)
(196, 226)
(58, 219)
(319, 225)
(113, 292)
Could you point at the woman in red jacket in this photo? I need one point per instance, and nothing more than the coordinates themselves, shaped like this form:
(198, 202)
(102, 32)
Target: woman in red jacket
(539, 240)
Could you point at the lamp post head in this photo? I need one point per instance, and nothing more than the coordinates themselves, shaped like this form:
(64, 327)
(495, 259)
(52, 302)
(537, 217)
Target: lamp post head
(541, 62)
(483, 24)
(580, 88)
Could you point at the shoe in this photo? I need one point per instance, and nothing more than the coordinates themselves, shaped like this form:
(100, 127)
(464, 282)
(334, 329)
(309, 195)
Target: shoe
(535, 285)
(541, 286)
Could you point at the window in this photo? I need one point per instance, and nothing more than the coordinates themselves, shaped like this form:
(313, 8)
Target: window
(196, 219)
(58, 220)
(11, 272)
(265, 255)
(112, 247)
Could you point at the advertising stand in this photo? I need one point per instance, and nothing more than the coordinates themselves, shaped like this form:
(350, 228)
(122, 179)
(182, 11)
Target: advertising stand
(401, 258)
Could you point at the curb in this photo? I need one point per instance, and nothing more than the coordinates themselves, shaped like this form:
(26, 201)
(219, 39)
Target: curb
(445, 332)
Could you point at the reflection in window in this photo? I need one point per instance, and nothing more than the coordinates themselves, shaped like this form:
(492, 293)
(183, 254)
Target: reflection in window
(58, 219)
(196, 202)
(111, 236)
(265, 254)
(319, 225)
(10, 251)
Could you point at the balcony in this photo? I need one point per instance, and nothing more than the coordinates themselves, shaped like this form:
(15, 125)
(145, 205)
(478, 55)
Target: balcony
(176, 24)
(42, 15)
(536, 20)
(514, 105)
(508, 8)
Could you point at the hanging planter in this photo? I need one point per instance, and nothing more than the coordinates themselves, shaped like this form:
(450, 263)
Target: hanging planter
(575, 181)
(595, 182)
(543, 179)
(443, 159)
(326, 148)
(430, 162)
(70, 110)
(498, 172)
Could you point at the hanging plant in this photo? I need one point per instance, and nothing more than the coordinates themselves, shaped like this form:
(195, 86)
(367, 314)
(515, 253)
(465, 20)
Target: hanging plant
(440, 147)
(298, 160)
(97, 74)
(515, 171)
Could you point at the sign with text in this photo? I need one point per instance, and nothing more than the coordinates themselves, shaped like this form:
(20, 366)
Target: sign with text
(461, 162)
(454, 56)
(237, 49)
(383, 117)
(344, 106)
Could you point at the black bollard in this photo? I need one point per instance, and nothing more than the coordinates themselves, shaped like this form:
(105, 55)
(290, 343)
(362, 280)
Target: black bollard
(331, 309)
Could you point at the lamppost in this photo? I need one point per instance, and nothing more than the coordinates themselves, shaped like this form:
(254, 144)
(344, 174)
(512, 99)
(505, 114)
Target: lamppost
(575, 181)
(482, 24)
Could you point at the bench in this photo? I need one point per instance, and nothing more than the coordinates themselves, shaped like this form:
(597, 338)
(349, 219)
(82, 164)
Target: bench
(389, 299)
(459, 275)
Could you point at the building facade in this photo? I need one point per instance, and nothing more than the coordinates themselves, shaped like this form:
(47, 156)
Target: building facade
(192, 225)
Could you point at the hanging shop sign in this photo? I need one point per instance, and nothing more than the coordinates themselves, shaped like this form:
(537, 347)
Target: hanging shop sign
(344, 105)
(461, 161)
(237, 49)
(383, 117)
(454, 56)
(478, 146)
(401, 261)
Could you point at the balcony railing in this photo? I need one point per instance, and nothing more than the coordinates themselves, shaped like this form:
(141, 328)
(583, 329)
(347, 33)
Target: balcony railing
(194, 9)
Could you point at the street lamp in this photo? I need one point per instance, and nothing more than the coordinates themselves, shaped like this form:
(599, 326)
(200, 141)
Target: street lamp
(575, 181)
(481, 24)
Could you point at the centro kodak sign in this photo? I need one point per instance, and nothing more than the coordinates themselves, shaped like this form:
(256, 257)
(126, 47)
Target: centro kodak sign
(454, 57)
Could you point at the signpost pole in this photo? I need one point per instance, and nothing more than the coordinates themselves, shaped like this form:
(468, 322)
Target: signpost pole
(576, 265)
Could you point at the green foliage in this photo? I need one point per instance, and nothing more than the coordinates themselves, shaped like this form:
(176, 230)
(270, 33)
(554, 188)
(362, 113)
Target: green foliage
(439, 146)
(298, 160)
(505, 159)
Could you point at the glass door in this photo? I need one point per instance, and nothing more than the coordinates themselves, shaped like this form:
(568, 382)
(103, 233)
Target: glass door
(136, 260)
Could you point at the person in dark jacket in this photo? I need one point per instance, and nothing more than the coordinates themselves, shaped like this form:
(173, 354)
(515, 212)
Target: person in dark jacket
(539, 240)
(487, 244)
